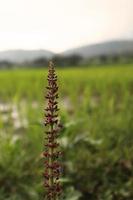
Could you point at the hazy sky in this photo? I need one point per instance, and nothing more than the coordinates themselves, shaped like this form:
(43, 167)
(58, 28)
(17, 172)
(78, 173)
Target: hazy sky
(61, 24)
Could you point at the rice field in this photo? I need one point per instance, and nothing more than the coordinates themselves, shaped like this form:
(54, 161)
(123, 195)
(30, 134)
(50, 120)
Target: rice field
(96, 110)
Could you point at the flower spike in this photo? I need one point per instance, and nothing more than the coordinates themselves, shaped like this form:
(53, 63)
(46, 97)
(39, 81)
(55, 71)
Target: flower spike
(51, 153)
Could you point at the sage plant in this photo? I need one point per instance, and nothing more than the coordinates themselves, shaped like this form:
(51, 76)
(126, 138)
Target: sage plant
(52, 152)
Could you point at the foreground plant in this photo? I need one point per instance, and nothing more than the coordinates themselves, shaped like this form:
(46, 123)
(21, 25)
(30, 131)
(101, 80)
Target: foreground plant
(52, 153)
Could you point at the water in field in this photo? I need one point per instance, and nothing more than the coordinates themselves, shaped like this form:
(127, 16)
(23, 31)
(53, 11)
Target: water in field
(96, 109)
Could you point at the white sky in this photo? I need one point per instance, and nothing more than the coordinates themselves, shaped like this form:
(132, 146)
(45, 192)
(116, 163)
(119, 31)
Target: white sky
(57, 25)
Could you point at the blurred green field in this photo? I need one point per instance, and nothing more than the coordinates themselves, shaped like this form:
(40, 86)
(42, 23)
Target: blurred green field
(96, 109)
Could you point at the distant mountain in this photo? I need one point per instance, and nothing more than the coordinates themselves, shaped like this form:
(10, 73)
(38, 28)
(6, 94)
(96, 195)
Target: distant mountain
(105, 48)
(19, 56)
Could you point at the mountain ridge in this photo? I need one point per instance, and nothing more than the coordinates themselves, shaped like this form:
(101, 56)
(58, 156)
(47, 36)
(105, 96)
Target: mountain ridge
(104, 48)
(22, 55)
(86, 51)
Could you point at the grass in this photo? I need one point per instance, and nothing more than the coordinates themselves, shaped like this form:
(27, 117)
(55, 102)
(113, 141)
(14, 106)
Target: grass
(96, 110)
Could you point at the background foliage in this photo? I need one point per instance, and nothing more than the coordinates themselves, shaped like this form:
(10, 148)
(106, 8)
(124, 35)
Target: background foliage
(96, 108)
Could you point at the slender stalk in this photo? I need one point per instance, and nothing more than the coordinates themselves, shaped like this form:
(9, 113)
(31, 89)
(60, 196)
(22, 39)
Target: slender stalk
(52, 153)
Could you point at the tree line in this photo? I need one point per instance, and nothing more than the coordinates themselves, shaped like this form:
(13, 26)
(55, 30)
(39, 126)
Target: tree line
(74, 60)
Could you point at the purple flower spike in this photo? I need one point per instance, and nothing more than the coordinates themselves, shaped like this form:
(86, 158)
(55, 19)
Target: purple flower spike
(52, 153)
